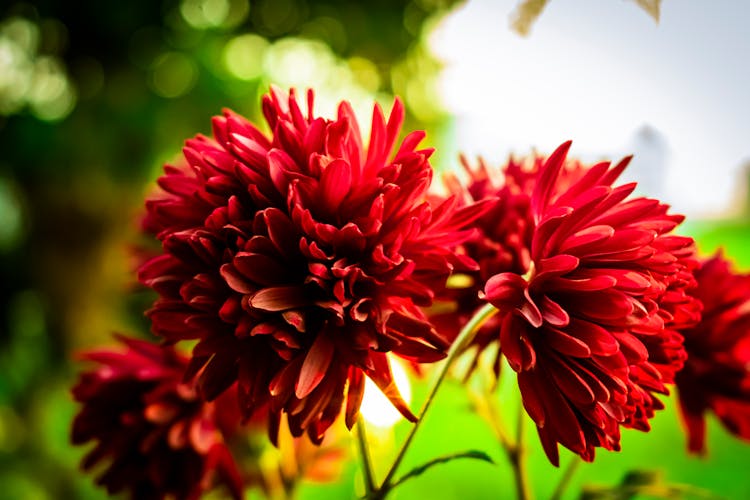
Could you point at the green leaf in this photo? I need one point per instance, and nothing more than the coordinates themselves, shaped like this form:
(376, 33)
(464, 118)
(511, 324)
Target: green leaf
(637, 483)
(525, 14)
(474, 454)
(652, 7)
(641, 477)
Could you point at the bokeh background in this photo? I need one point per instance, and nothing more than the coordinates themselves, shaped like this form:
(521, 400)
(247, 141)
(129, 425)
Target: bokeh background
(95, 97)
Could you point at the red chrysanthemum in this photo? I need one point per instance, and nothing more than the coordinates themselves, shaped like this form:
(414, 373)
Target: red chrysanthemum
(298, 260)
(501, 242)
(156, 436)
(585, 329)
(716, 376)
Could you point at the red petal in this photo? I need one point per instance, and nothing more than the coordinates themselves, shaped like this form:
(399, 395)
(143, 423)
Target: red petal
(281, 231)
(557, 265)
(549, 443)
(607, 306)
(376, 153)
(599, 340)
(571, 384)
(354, 394)
(547, 179)
(695, 422)
(582, 280)
(511, 330)
(282, 383)
(395, 120)
(566, 344)
(314, 368)
(591, 178)
(585, 237)
(261, 269)
(236, 280)
(545, 230)
(529, 310)
(615, 172)
(565, 424)
(633, 348)
(280, 298)
(280, 168)
(531, 402)
(335, 182)
(552, 313)
(505, 290)
(220, 372)
(411, 326)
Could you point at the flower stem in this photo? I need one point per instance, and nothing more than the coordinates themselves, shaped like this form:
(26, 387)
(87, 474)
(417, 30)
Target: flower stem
(465, 337)
(517, 456)
(513, 449)
(364, 452)
(496, 421)
(571, 468)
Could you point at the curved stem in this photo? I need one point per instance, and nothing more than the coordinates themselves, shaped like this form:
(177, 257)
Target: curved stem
(465, 337)
(571, 468)
(364, 452)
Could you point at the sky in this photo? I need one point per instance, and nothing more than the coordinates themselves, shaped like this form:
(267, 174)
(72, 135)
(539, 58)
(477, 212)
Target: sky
(598, 72)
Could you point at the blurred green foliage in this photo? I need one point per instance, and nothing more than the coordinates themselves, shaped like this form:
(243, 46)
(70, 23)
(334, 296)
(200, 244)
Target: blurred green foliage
(94, 99)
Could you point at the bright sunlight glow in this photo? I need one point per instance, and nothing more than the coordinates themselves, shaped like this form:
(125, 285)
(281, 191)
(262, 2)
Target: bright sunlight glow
(376, 409)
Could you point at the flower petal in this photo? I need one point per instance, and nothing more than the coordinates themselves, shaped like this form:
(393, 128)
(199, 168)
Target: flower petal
(314, 368)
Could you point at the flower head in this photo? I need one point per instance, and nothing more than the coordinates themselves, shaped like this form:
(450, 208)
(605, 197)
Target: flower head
(156, 436)
(298, 260)
(588, 330)
(716, 376)
(501, 242)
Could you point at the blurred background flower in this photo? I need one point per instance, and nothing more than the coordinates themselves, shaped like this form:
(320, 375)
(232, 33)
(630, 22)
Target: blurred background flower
(95, 99)
(716, 376)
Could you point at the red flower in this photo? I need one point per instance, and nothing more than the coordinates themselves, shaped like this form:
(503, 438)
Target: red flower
(584, 328)
(156, 436)
(716, 376)
(299, 260)
(501, 243)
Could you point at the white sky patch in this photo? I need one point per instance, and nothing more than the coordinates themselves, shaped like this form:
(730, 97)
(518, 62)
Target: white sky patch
(597, 72)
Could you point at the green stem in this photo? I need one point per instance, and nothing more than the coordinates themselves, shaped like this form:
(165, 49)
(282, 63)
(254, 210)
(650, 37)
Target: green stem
(496, 421)
(567, 475)
(365, 454)
(464, 338)
(517, 457)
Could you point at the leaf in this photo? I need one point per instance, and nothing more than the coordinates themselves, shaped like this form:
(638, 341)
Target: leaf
(638, 477)
(638, 483)
(528, 11)
(652, 7)
(474, 454)
(525, 14)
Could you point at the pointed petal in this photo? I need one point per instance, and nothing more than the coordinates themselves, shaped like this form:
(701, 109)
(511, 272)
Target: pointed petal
(354, 394)
(280, 298)
(316, 364)
(544, 187)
